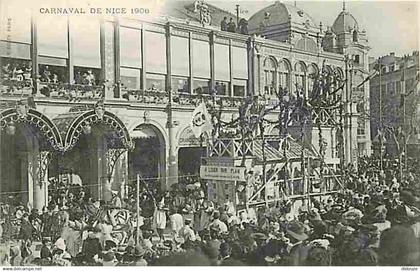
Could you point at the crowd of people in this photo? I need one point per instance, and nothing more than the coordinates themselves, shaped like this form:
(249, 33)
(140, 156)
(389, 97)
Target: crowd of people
(374, 220)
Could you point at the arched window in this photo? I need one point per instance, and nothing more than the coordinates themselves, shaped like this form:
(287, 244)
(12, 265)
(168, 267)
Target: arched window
(300, 74)
(283, 73)
(355, 36)
(269, 76)
(312, 74)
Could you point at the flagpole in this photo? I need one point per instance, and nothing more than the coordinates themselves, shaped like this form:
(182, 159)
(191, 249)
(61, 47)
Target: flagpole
(137, 208)
(380, 115)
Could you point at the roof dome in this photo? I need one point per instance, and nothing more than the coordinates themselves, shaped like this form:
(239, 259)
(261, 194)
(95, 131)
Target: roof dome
(344, 22)
(279, 13)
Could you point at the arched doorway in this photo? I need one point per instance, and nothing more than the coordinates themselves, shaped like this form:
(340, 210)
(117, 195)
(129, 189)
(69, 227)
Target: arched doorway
(96, 144)
(147, 159)
(190, 152)
(27, 140)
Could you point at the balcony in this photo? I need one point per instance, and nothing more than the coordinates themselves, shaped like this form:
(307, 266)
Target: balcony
(160, 97)
(75, 93)
(55, 91)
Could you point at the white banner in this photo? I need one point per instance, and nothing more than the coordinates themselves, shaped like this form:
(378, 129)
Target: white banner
(222, 173)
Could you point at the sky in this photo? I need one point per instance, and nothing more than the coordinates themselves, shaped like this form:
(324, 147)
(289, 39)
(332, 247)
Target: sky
(392, 26)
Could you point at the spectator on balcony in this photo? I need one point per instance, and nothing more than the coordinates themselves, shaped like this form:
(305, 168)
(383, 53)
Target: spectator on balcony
(78, 79)
(46, 75)
(90, 78)
(224, 24)
(7, 70)
(55, 78)
(231, 26)
(28, 71)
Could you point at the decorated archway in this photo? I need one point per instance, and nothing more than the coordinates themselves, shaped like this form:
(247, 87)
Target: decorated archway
(96, 143)
(28, 138)
(148, 158)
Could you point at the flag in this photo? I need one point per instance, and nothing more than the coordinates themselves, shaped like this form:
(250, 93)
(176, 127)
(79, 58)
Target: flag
(200, 120)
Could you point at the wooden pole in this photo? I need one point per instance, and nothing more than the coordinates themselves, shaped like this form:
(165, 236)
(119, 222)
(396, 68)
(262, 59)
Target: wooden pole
(138, 208)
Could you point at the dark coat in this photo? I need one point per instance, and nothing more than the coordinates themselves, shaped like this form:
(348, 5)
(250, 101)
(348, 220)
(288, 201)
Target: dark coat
(25, 230)
(45, 252)
(91, 247)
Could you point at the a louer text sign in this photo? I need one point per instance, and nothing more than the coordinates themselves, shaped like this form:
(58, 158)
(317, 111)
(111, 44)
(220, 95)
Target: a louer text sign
(222, 173)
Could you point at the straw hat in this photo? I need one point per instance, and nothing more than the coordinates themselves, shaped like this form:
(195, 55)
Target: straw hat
(297, 231)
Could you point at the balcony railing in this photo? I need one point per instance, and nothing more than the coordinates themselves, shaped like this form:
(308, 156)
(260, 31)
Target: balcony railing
(183, 99)
(16, 87)
(76, 93)
(71, 92)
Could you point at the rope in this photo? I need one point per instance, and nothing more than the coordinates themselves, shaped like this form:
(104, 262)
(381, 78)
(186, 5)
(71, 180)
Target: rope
(93, 185)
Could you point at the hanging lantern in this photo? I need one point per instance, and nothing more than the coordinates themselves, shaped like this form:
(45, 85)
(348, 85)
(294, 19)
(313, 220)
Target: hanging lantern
(11, 128)
(87, 129)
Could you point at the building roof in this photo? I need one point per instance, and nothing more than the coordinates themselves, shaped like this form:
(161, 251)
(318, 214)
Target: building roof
(277, 14)
(344, 22)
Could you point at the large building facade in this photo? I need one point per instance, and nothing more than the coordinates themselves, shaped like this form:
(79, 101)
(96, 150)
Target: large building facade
(108, 98)
(395, 104)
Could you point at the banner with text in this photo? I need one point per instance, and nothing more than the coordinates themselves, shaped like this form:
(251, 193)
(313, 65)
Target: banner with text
(221, 173)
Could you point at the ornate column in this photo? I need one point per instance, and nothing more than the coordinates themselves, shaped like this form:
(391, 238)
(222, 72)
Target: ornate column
(38, 163)
(173, 155)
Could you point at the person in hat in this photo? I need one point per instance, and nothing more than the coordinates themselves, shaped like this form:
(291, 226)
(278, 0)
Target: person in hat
(91, 245)
(186, 232)
(177, 221)
(298, 250)
(218, 223)
(46, 248)
(26, 228)
(138, 255)
(159, 219)
(108, 259)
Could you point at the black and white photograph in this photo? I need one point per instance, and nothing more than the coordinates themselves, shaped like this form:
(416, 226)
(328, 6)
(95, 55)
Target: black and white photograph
(209, 133)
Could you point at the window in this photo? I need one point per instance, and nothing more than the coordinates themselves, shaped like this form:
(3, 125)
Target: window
(300, 76)
(312, 73)
(15, 21)
(239, 87)
(391, 88)
(201, 59)
(361, 149)
(86, 76)
(53, 74)
(357, 59)
(239, 63)
(155, 52)
(201, 86)
(221, 62)
(360, 107)
(283, 75)
(130, 47)
(16, 69)
(180, 59)
(180, 84)
(155, 82)
(269, 76)
(52, 41)
(86, 42)
(130, 78)
(360, 127)
(355, 36)
(398, 83)
(221, 88)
